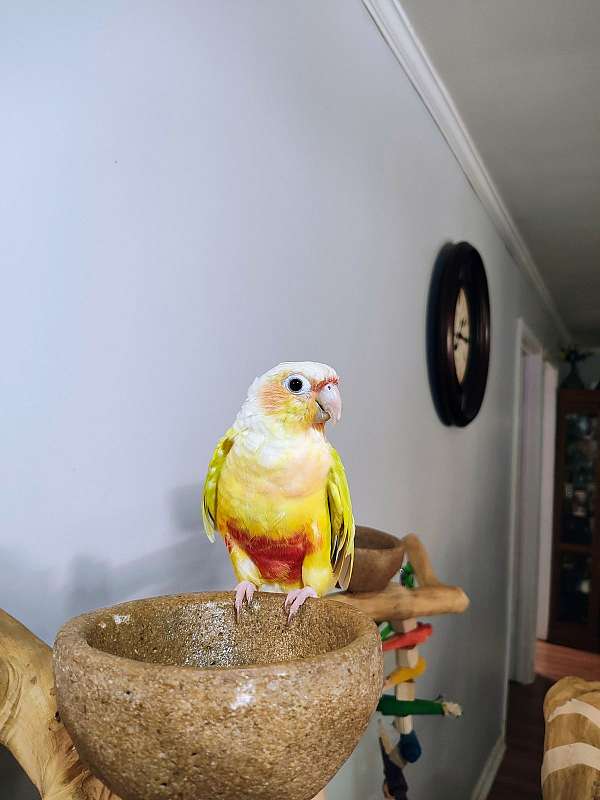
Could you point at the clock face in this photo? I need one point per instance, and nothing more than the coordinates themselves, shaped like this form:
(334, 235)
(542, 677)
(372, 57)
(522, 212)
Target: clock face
(462, 331)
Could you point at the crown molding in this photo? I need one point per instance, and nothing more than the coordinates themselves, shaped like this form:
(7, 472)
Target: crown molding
(396, 29)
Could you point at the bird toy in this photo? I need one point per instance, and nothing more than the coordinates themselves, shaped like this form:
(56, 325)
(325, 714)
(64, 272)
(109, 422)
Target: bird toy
(405, 641)
(400, 745)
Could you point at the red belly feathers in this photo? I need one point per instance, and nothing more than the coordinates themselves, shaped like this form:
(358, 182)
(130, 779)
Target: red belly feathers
(277, 560)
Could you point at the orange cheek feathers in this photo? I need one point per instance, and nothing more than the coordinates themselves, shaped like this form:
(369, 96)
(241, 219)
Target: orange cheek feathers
(275, 399)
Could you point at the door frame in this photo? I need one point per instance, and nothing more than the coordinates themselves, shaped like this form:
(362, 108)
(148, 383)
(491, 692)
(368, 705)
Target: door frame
(551, 382)
(525, 506)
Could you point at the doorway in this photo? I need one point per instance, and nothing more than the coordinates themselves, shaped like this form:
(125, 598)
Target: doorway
(550, 390)
(526, 504)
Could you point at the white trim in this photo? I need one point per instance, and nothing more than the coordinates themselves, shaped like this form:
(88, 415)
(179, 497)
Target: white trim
(396, 29)
(514, 498)
(522, 582)
(528, 340)
(489, 771)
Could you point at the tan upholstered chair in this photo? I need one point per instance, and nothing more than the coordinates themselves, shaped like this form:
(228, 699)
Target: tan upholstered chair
(571, 766)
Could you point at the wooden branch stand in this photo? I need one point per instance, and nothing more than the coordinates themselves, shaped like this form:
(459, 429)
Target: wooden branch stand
(32, 731)
(29, 723)
(396, 602)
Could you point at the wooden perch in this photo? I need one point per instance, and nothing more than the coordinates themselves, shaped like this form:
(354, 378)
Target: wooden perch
(29, 725)
(397, 602)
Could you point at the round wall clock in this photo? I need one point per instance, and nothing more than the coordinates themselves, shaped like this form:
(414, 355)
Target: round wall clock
(458, 333)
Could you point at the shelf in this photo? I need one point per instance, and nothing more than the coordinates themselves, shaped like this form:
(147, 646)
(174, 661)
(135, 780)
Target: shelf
(584, 549)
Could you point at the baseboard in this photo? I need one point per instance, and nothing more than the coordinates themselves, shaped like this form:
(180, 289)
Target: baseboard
(488, 773)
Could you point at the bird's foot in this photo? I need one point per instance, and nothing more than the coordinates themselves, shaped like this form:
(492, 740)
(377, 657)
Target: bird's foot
(243, 591)
(295, 599)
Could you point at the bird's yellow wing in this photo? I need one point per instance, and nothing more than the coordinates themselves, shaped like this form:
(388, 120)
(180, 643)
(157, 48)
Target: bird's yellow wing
(342, 521)
(211, 483)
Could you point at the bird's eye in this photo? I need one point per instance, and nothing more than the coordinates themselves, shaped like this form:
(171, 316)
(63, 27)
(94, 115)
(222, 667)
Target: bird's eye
(296, 384)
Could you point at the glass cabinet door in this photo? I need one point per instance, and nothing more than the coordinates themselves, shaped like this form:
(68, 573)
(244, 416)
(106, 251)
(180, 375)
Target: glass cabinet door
(575, 617)
(575, 583)
(579, 485)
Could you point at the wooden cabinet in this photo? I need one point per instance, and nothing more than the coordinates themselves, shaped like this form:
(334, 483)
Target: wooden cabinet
(575, 594)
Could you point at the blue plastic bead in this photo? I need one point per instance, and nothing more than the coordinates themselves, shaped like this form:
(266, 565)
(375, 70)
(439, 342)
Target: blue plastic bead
(410, 749)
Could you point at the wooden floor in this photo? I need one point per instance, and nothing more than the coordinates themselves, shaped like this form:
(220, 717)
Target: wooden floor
(519, 775)
(554, 662)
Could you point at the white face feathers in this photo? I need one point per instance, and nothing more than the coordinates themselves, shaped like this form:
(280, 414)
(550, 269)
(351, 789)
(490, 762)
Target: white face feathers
(314, 373)
(303, 394)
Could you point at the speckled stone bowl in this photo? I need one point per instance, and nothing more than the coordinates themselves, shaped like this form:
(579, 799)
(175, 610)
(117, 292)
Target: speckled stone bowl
(377, 558)
(169, 698)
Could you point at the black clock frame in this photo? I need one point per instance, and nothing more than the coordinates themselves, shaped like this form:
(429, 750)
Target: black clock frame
(459, 266)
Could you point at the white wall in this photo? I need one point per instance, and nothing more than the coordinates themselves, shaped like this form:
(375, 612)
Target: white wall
(196, 192)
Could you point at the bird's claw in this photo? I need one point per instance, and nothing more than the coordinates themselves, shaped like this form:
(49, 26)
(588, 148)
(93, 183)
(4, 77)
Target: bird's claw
(243, 591)
(295, 599)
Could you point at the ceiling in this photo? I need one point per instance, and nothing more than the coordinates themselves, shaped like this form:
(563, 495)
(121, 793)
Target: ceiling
(525, 78)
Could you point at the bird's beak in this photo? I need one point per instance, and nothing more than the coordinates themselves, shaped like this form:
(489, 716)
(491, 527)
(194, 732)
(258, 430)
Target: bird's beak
(329, 404)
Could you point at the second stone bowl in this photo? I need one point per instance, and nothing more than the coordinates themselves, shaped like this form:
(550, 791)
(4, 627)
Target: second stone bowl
(169, 697)
(377, 558)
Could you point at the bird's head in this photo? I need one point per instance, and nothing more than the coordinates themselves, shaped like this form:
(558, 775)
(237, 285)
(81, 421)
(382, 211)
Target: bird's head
(301, 393)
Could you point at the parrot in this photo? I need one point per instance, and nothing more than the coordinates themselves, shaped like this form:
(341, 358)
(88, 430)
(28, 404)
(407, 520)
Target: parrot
(276, 490)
